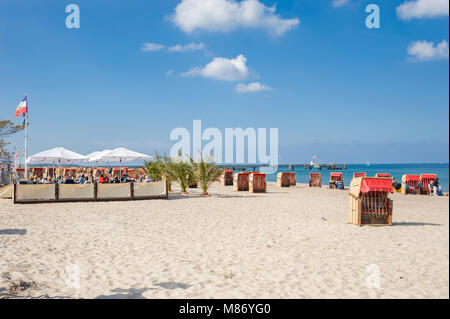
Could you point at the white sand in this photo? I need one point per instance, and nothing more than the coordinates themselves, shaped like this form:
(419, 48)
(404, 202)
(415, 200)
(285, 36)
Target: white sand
(287, 243)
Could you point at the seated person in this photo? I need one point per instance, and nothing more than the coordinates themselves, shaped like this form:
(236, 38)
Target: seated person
(102, 179)
(332, 183)
(69, 180)
(395, 184)
(81, 179)
(339, 185)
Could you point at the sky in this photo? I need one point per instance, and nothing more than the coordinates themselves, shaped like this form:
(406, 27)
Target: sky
(135, 70)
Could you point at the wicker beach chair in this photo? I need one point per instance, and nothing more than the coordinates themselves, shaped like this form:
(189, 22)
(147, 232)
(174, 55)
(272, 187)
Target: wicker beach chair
(369, 203)
(425, 181)
(410, 184)
(336, 177)
(132, 173)
(292, 178)
(38, 171)
(361, 174)
(385, 175)
(257, 183)
(283, 179)
(315, 180)
(227, 177)
(240, 181)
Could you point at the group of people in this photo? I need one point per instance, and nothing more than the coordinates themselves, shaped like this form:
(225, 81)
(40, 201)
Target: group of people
(434, 187)
(86, 179)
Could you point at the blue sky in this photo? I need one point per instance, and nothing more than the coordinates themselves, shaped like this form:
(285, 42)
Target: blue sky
(337, 89)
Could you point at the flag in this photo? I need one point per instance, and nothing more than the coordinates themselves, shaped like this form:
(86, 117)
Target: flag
(22, 108)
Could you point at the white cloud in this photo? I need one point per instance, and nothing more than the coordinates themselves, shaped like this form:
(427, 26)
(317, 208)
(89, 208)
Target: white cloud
(423, 9)
(426, 51)
(252, 87)
(227, 15)
(339, 3)
(188, 47)
(169, 73)
(151, 47)
(223, 69)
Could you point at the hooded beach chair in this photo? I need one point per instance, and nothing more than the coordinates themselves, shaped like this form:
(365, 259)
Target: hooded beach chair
(425, 181)
(410, 184)
(369, 203)
(292, 178)
(361, 174)
(257, 183)
(227, 177)
(283, 179)
(335, 178)
(315, 180)
(240, 181)
(38, 171)
(132, 173)
(385, 175)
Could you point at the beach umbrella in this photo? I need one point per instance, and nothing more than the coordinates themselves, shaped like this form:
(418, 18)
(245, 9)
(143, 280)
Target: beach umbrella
(97, 156)
(122, 154)
(58, 155)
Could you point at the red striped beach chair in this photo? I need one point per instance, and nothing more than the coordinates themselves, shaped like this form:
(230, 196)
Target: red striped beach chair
(227, 177)
(315, 180)
(361, 174)
(335, 178)
(257, 183)
(384, 175)
(240, 181)
(292, 178)
(425, 181)
(369, 203)
(283, 179)
(410, 184)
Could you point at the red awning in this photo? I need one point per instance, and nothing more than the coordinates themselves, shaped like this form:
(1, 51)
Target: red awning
(432, 176)
(412, 178)
(336, 174)
(376, 185)
(383, 175)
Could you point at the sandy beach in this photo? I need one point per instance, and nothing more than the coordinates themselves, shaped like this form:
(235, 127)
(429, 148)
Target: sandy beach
(288, 243)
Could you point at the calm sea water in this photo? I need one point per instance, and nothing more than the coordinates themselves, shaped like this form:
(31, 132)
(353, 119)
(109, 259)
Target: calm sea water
(396, 170)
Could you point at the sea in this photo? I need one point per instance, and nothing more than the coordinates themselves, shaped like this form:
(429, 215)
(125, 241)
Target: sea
(396, 170)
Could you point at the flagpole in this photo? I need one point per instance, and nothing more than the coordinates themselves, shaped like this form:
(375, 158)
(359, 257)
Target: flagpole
(26, 138)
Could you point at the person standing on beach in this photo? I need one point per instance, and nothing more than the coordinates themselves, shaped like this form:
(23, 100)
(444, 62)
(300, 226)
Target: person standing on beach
(436, 187)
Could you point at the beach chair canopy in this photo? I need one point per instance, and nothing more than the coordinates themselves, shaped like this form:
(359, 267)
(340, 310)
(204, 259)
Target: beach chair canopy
(412, 178)
(427, 176)
(370, 184)
(336, 174)
(361, 174)
(383, 175)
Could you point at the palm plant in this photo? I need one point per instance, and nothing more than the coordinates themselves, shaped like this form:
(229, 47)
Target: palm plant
(179, 170)
(205, 172)
(153, 170)
(157, 170)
